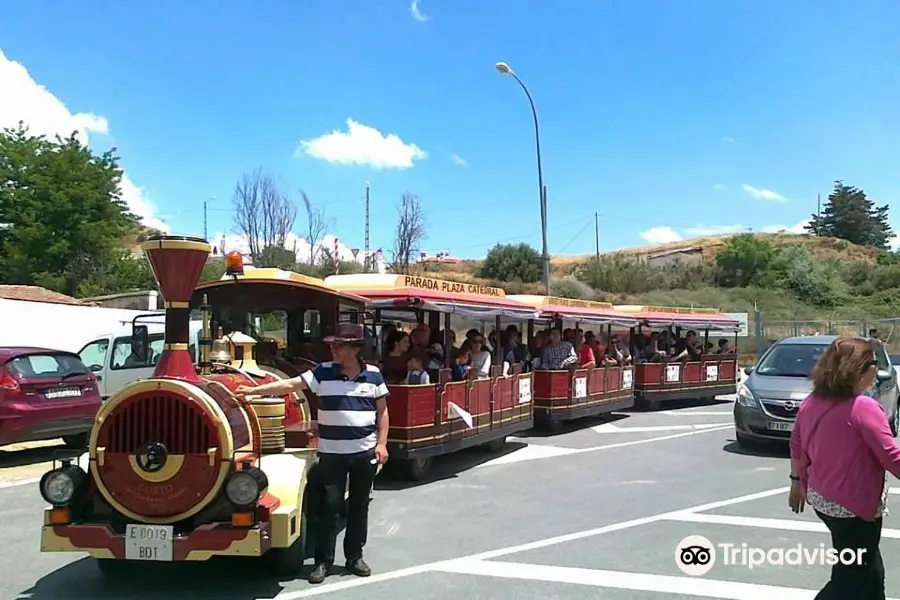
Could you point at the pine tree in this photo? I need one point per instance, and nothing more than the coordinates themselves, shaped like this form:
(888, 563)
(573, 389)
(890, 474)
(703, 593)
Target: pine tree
(848, 214)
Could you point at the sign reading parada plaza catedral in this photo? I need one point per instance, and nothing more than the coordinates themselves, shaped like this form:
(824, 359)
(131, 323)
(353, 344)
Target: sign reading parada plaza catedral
(451, 287)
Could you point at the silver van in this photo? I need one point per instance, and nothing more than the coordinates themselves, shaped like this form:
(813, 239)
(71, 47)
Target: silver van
(768, 400)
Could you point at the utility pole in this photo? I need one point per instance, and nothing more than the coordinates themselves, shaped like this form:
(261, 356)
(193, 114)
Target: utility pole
(205, 220)
(597, 232)
(366, 257)
(818, 213)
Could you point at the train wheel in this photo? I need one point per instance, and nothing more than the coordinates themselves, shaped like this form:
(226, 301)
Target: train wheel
(417, 468)
(495, 445)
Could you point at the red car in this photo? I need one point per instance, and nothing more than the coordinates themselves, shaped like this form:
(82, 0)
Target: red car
(44, 395)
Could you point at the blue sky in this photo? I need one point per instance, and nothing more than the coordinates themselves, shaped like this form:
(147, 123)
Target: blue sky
(647, 108)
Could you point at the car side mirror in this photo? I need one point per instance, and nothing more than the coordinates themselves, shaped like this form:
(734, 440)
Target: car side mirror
(884, 375)
(748, 370)
(96, 368)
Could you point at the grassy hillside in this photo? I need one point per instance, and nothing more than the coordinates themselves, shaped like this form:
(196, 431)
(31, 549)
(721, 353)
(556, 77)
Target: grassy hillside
(778, 305)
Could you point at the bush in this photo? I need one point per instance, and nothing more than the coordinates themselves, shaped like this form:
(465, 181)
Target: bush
(619, 274)
(743, 261)
(570, 287)
(512, 262)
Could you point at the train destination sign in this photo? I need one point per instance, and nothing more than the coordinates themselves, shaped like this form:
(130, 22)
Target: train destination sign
(572, 303)
(450, 287)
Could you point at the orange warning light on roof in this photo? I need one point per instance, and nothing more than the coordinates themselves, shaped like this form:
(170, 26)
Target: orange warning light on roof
(234, 263)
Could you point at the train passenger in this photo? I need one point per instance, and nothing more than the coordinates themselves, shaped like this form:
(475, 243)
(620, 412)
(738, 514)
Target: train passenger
(479, 357)
(558, 354)
(435, 356)
(393, 364)
(417, 375)
(353, 430)
(460, 366)
(688, 348)
(387, 330)
(420, 337)
(514, 351)
(652, 351)
(586, 355)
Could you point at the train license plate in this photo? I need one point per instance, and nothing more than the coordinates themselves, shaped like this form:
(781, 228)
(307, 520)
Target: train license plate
(149, 542)
(66, 392)
(781, 425)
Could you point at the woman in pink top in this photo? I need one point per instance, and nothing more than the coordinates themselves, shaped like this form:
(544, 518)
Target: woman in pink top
(841, 451)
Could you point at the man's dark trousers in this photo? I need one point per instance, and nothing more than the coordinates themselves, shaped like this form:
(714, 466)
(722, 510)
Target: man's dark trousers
(335, 471)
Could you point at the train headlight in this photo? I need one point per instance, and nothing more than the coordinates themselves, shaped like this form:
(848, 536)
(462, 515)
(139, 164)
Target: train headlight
(245, 487)
(60, 487)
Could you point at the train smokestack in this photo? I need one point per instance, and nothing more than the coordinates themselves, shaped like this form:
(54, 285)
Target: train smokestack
(177, 263)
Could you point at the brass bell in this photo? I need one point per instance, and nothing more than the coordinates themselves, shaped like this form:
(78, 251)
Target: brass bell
(221, 351)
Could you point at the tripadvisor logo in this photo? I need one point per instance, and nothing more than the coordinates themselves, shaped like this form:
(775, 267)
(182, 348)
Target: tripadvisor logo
(695, 555)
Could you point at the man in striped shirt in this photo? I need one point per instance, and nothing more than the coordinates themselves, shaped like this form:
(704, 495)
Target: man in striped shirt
(352, 429)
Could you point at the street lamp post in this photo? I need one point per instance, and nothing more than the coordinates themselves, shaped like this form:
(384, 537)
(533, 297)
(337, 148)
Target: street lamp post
(504, 69)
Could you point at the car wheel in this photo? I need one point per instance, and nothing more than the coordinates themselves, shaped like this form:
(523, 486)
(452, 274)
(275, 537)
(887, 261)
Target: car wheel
(745, 442)
(76, 442)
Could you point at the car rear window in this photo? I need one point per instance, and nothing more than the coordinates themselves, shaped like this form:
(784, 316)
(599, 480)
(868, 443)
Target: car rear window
(45, 366)
(895, 359)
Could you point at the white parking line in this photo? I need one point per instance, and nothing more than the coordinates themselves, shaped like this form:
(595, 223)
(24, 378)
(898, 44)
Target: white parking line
(700, 413)
(645, 582)
(612, 428)
(17, 483)
(491, 554)
(513, 458)
(764, 523)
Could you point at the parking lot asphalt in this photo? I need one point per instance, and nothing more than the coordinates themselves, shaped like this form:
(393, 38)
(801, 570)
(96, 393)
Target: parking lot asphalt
(596, 510)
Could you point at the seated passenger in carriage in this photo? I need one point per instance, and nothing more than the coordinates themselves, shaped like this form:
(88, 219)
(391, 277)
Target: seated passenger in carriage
(514, 351)
(618, 352)
(587, 357)
(416, 373)
(651, 351)
(460, 367)
(688, 348)
(558, 354)
(393, 363)
(420, 338)
(479, 357)
(725, 347)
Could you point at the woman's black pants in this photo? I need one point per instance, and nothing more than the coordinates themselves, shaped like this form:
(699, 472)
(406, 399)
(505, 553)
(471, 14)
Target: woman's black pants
(863, 581)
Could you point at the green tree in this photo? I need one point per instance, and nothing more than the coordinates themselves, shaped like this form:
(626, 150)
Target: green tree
(797, 270)
(512, 262)
(276, 256)
(850, 215)
(325, 266)
(62, 217)
(743, 261)
(213, 270)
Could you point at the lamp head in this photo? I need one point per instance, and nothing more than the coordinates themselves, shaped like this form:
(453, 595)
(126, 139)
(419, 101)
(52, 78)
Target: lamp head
(503, 68)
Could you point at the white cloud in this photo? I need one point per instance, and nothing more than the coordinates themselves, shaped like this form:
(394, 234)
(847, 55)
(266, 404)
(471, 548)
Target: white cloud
(228, 242)
(798, 228)
(363, 145)
(458, 160)
(763, 193)
(661, 235)
(24, 99)
(416, 13)
(721, 187)
(706, 230)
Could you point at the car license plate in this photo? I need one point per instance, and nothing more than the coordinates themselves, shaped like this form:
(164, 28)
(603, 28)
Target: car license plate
(68, 392)
(781, 425)
(149, 542)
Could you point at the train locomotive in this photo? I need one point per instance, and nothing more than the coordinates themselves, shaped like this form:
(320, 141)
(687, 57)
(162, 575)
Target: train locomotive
(178, 468)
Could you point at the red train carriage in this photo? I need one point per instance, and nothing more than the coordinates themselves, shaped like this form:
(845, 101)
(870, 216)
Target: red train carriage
(178, 468)
(713, 375)
(568, 394)
(425, 421)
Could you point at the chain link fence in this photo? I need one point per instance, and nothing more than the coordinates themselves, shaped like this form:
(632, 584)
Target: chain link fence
(763, 333)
